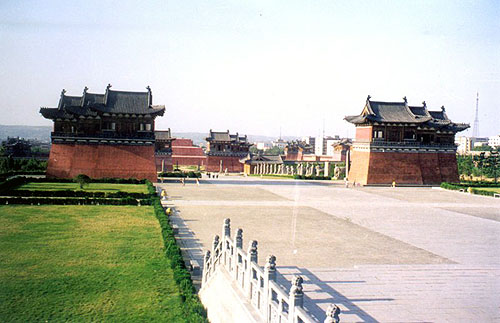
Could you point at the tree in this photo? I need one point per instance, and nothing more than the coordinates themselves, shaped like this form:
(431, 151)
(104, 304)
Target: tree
(82, 180)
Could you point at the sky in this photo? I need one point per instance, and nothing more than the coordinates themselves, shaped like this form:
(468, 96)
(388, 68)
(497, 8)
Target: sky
(254, 67)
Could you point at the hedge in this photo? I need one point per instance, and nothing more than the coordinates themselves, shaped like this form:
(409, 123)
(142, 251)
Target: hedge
(311, 177)
(73, 201)
(71, 193)
(190, 174)
(467, 187)
(194, 310)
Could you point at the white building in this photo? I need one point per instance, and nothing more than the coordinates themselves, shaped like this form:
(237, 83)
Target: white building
(263, 146)
(465, 145)
(494, 141)
(280, 143)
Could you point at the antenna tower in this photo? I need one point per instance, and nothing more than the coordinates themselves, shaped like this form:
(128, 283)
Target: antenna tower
(475, 131)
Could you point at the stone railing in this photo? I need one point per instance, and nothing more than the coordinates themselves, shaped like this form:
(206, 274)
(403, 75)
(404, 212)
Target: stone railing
(258, 284)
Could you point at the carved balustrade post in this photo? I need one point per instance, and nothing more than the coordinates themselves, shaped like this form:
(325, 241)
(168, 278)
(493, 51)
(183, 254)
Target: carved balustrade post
(296, 297)
(269, 275)
(239, 245)
(332, 314)
(251, 257)
(214, 246)
(206, 266)
(226, 233)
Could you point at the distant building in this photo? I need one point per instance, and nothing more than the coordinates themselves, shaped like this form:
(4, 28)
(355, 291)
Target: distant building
(225, 150)
(163, 150)
(405, 144)
(103, 135)
(16, 147)
(464, 145)
(311, 141)
(494, 141)
(185, 153)
(280, 143)
(479, 142)
(297, 150)
(262, 146)
(251, 162)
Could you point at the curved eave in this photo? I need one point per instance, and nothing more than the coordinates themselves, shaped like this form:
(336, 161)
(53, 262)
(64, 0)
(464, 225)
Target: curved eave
(54, 113)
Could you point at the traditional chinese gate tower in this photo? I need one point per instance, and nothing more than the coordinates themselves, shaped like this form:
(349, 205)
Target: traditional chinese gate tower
(224, 151)
(404, 144)
(103, 135)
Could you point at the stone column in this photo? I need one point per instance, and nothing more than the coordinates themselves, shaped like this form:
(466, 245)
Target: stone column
(296, 297)
(326, 173)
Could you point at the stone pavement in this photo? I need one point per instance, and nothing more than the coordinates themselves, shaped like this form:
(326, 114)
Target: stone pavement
(381, 254)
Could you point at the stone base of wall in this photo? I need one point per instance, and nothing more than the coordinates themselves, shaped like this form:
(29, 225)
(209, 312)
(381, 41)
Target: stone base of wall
(232, 164)
(98, 161)
(403, 168)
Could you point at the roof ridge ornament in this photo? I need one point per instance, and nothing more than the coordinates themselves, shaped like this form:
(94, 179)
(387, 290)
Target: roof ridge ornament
(368, 97)
(405, 99)
(85, 89)
(424, 104)
(63, 92)
(109, 86)
(442, 108)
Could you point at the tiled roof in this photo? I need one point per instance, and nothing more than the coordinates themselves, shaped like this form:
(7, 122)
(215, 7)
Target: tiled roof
(400, 112)
(226, 137)
(118, 102)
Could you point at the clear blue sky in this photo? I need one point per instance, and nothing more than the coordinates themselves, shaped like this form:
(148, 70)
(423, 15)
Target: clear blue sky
(253, 66)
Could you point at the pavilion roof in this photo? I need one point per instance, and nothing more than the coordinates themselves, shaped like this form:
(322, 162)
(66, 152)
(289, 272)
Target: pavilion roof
(112, 102)
(401, 112)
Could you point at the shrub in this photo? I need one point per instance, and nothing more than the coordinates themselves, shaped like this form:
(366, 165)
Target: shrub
(82, 180)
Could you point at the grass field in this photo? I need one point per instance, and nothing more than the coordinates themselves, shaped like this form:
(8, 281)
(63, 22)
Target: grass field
(84, 263)
(92, 187)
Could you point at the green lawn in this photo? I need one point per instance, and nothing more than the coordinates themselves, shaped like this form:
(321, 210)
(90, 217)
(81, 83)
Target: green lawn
(92, 187)
(84, 263)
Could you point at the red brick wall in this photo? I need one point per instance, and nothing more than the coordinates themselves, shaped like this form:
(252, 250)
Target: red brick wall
(403, 168)
(232, 164)
(189, 160)
(364, 133)
(98, 161)
(167, 166)
(182, 142)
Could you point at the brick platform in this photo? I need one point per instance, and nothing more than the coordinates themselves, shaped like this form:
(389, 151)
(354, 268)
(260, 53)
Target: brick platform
(403, 168)
(98, 161)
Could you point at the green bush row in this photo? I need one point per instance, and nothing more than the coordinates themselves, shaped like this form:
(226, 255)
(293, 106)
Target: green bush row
(71, 193)
(11, 184)
(189, 174)
(462, 186)
(450, 186)
(311, 177)
(479, 184)
(194, 310)
(73, 201)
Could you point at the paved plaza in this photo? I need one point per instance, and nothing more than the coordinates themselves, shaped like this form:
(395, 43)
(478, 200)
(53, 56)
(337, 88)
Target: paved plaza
(381, 254)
